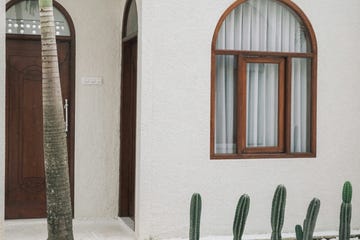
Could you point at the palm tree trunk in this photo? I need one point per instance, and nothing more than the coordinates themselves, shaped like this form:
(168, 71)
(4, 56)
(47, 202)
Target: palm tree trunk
(59, 212)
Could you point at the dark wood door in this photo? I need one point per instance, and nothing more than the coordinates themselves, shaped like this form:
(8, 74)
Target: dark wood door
(25, 178)
(128, 130)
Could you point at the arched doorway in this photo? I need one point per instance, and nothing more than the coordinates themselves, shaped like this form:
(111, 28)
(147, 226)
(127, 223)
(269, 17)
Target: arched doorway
(24, 174)
(128, 112)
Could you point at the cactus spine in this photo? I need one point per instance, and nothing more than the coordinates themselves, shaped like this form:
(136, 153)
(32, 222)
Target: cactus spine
(241, 213)
(277, 212)
(195, 214)
(345, 212)
(309, 222)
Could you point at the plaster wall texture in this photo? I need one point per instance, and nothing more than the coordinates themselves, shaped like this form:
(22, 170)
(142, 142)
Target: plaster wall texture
(97, 115)
(140, 125)
(2, 114)
(175, 126)
(98, 33)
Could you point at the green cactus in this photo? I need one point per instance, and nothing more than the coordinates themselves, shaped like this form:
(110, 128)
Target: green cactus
(345, 212)
(195, 214)
(241, 213)
(306, 233)
(299, 232)
(277, 212)
(347, 192)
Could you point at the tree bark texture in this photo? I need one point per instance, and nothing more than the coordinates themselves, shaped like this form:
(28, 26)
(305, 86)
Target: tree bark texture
(59, 211)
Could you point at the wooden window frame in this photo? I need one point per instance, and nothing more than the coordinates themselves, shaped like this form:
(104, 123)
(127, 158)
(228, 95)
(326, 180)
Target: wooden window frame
(283, 149)
(241, 111)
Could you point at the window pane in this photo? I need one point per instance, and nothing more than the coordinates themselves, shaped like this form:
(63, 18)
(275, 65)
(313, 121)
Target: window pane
(300, 105)
(22, 18)
(225, 104)
(263, 25)
(262, 81)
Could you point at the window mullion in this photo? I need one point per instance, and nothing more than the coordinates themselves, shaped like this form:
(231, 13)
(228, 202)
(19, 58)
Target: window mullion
(288, 104)
(313, 104)
(241, 106)
(282, 106)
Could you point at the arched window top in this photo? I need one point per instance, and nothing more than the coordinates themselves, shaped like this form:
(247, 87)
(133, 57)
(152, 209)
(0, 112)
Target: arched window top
(131, 19)
(264, 25)
(23, 19)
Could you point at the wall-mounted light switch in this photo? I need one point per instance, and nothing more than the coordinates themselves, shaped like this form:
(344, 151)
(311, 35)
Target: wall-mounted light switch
(91, 80)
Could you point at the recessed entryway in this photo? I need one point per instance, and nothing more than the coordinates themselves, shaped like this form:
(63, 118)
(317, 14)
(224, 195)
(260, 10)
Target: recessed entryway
(128, 112)
(24, 174)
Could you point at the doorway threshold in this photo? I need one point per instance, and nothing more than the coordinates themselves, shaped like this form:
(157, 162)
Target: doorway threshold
(92, 229)
(129, 222)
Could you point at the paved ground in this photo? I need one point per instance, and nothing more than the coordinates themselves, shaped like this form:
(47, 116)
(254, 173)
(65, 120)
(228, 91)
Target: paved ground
(83, 230)
(118, 230)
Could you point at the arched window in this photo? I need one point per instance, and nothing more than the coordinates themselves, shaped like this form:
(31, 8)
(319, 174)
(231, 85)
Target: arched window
(23, 18)
(264, 58)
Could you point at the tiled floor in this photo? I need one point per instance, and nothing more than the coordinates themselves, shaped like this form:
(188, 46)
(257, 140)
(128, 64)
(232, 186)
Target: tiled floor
(83, 230)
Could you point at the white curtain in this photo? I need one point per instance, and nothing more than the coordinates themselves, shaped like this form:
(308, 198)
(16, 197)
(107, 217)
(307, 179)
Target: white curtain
(262, 105)
(225, 116)
(300, 105)
(261, 25)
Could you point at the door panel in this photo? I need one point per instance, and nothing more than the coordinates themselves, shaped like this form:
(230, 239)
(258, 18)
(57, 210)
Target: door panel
(128, 130)
(25, 177)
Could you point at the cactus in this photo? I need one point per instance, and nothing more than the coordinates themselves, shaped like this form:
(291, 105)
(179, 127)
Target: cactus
(345, 212)
(195, 213)
(299, 232)
(241, 213)
(306, 233)
(277, 212)
(347, 192)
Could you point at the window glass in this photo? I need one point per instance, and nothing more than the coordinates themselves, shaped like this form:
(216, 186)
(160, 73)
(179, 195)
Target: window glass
(225, 116)
(300, 105)
(262, 105)
(23, 19)
(132, 20)
(258, 25)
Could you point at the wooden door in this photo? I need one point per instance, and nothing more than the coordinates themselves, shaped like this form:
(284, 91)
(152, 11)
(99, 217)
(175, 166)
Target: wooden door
(128, 130)
(25, 178)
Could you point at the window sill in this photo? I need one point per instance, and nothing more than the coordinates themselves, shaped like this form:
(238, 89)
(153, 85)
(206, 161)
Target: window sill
(260, 156)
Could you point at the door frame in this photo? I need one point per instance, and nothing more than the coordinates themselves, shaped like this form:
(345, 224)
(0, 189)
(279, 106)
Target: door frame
(71, 40)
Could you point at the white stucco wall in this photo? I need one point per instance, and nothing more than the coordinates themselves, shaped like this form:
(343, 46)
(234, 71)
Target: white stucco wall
(2, 115)
(174, 120)
(175, 125)
(139, 126)
(98, 31)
